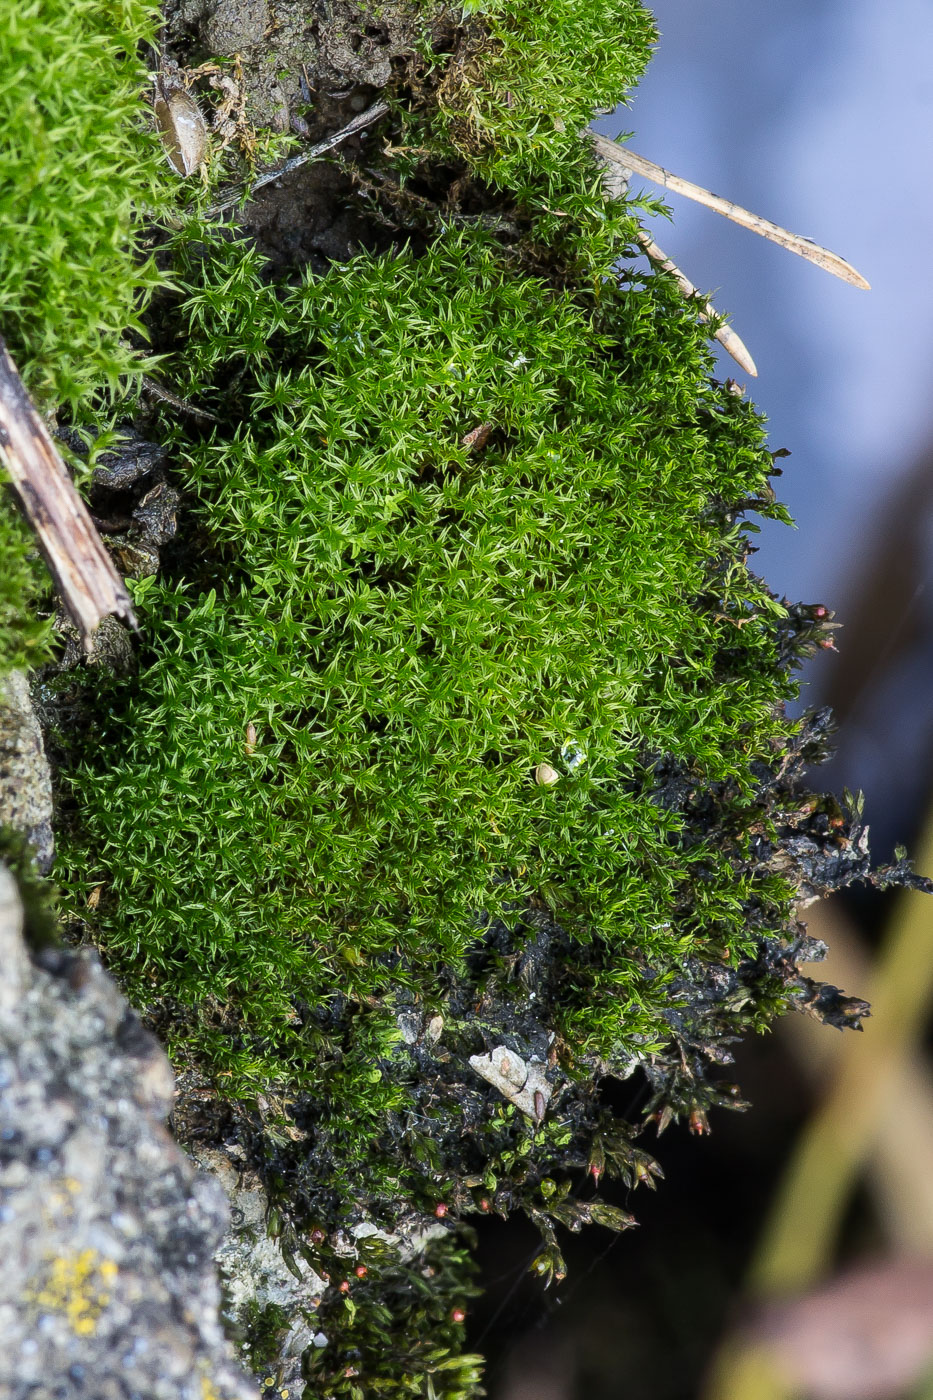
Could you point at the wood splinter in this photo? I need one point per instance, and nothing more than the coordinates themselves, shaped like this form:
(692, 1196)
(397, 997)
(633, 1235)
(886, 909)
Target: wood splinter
(793, 242)
(725, 334)
(89, 585)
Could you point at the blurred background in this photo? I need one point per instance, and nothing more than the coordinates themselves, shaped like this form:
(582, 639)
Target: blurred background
(790, 1255)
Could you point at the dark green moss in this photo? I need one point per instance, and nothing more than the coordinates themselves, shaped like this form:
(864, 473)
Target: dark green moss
(396, 1327)
(263, 1328)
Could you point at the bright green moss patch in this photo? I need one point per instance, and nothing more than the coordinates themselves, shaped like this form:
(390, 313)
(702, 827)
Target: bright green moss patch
(515, 98)
(326, 780)
(523, 82)
(23, 638)
(458, 721)
(76, 170)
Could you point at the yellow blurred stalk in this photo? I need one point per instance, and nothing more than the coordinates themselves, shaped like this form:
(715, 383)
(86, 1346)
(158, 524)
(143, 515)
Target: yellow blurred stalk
(879, 1092)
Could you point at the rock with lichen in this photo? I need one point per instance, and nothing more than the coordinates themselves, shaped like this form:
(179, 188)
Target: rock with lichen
(268, 1303)
(106, 1229)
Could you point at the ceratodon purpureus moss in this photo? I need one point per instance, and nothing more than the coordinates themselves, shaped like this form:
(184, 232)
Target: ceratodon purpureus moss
(455, 774)
(326, 819)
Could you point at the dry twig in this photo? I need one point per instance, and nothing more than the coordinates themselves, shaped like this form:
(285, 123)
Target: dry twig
(90, 586)
(235, 193)
(793, 242)
(725, 334)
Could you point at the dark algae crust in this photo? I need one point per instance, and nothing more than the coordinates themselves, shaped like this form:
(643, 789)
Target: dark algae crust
(450, 778)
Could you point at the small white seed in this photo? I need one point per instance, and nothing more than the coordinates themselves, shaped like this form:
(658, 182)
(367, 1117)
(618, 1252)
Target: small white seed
(182, 128)
(546, 775)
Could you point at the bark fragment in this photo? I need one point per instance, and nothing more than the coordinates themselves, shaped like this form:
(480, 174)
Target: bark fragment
(89, 585)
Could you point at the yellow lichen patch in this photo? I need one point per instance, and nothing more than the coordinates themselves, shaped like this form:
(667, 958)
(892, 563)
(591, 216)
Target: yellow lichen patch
(78, 1286)
(209, 1390)
(59, 1204)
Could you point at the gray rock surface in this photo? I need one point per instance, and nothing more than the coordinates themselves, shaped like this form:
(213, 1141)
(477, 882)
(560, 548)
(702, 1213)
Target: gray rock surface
(254, 1274)
(108, 1287)
(25, 781)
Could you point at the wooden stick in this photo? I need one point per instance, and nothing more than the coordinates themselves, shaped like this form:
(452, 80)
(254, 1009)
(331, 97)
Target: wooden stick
(793, 242)
(232, 196)
(725, 335)
(89, 585)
